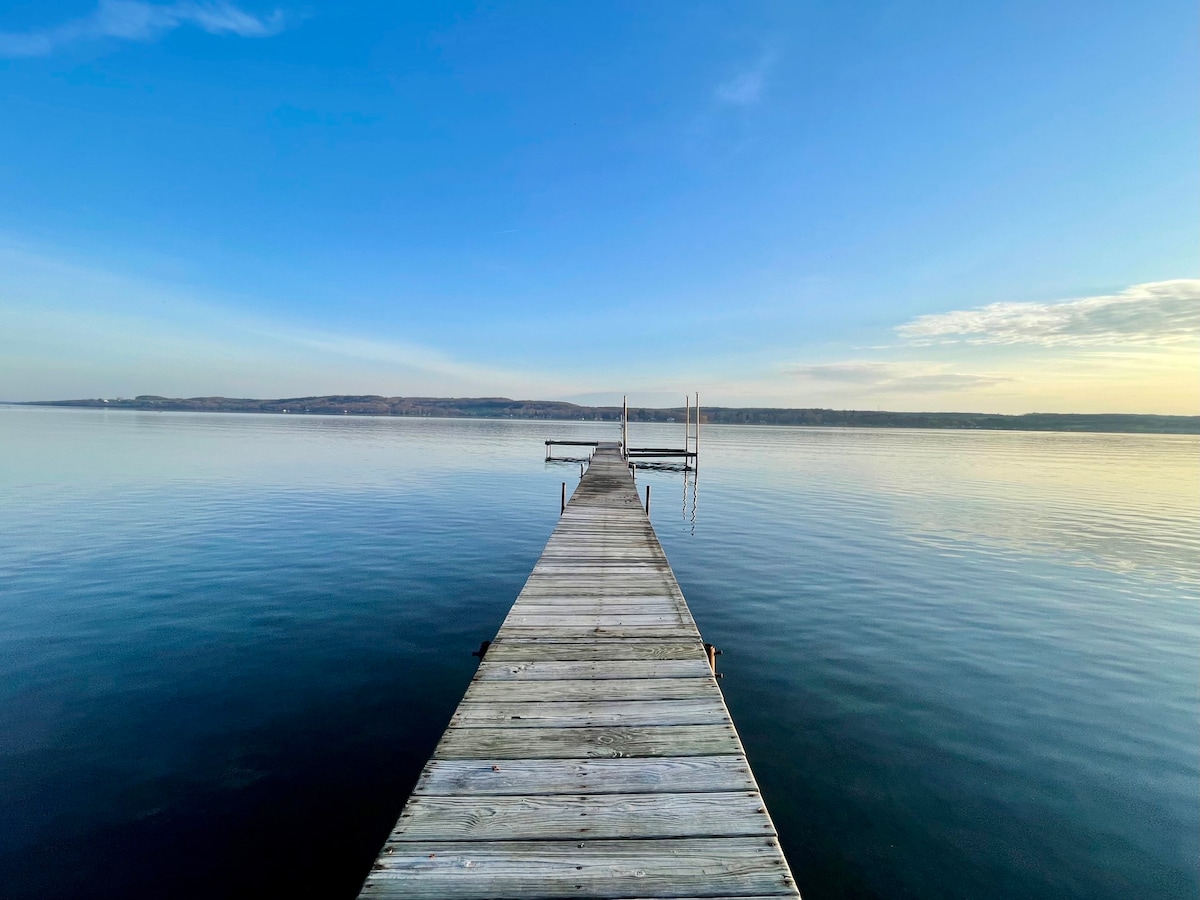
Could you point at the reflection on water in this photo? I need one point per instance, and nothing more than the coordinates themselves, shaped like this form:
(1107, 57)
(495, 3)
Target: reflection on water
(962, 663)
(1113, 501)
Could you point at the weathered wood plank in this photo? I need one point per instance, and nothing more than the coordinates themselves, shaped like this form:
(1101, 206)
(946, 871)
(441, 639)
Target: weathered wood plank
(650, 574)
(556, 591)
(594, 713)
(574, 556)
(591, 817)
(659, 576)
(607, 568)
(601, 620)
(650, 775)
(688, 867)
(633, 640)
(608, 606)
(556, 598)
(568, 743)
(584, 600)
(595, 588)
(584, 689)
(616, 632)
(528, 651)
(612, 668)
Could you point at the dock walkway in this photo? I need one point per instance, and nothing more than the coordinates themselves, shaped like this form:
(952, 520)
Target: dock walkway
(592, 755)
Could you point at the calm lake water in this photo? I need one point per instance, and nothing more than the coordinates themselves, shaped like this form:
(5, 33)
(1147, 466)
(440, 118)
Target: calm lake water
(964, 664)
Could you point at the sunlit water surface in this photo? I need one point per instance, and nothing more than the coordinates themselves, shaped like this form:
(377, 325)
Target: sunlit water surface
(963, 664)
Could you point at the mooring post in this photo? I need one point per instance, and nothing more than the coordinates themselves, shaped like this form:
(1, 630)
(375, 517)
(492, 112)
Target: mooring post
(712, 653)
(563, 508)
(581, 470)
(647, 499)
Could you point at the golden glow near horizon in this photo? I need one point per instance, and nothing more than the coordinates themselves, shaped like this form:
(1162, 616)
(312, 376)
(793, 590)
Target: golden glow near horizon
(69, 332)
(1162, 380)
(1137, 350)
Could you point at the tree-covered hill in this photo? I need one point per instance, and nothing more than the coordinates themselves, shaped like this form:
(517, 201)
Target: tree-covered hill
(504, 408)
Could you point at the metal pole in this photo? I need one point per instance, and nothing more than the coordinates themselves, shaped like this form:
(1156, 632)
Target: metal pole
(563, 508)
(625, 426)
(687, 426)
(647, 499)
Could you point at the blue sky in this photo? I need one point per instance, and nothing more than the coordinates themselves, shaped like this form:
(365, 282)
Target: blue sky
(906, 205)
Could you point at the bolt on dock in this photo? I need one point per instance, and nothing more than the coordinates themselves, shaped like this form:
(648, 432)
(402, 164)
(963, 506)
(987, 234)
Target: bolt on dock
(592, 755)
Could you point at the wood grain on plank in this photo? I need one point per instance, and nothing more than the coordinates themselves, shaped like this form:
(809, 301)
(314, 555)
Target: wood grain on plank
(615, 606)
(564, 651)
(601, 599)
(598, 669)
(598, 869)
(586, 689)
(650, 775)
(600, 620)
(588, 816)
(601, 632)
(593, 713)
(567, 743)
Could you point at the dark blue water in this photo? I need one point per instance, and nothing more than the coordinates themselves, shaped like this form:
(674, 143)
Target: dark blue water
(963, 664)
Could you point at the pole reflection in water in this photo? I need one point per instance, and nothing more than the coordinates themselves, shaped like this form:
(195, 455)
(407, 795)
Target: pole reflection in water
(695, 493)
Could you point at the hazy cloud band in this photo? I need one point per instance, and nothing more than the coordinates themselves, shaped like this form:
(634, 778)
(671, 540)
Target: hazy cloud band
(894, 377)
(1158, 312)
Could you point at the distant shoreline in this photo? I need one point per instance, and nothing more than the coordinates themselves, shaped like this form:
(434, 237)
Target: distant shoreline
(504, 408)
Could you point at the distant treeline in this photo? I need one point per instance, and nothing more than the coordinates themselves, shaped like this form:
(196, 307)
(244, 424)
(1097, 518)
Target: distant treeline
(503, 408)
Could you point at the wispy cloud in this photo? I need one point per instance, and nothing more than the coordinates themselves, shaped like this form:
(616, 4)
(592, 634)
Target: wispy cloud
(77, 330)
(895, 377)
(745, 88)
(1155, 313)
(135, 20)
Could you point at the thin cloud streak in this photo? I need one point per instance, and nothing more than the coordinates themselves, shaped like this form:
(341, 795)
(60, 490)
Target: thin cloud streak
(1154, 313)
(746, 87)
(76, 328)
(895, 377)
(135, 20)
(397, 355)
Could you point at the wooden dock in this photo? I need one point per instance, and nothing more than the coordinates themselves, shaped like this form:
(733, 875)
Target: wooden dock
(592, 755)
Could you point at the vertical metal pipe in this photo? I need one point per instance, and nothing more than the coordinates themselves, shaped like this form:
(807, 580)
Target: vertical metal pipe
(647, 499)
(563, 508)
(687, 426)
(625, 426)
